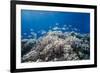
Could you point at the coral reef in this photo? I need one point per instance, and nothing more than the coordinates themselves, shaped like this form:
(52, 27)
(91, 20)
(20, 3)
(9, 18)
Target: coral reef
(56, 46)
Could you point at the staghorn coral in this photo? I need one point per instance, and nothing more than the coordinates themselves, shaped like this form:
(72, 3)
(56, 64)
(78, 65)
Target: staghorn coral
(57, 46)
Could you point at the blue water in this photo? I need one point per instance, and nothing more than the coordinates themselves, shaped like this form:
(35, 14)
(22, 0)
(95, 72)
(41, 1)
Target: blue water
(41, 22)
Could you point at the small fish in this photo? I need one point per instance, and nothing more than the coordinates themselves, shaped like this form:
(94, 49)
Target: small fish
(29, 36)
(31, 29)
(57, 23)
(43, 32)
(25, 33)
(63, 28)
(56, 28)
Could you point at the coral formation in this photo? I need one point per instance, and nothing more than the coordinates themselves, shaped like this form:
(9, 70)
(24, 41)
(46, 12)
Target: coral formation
(56, 46)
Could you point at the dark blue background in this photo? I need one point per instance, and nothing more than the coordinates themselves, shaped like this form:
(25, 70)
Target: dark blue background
(34, 21)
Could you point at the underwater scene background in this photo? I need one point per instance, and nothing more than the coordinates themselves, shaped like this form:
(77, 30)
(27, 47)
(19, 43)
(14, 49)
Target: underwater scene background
(54, 36)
